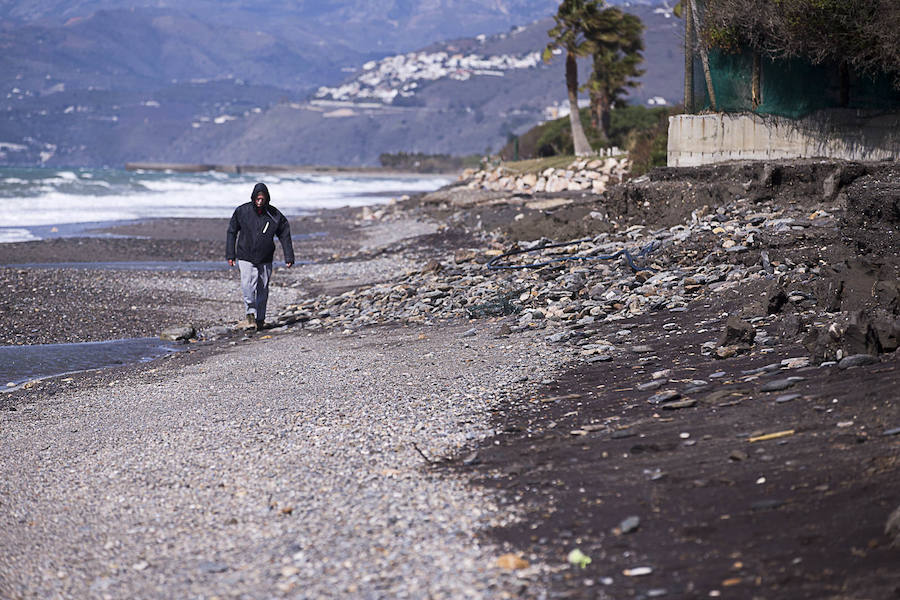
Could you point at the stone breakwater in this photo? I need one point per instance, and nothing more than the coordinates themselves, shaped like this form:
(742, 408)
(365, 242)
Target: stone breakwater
(582, 175)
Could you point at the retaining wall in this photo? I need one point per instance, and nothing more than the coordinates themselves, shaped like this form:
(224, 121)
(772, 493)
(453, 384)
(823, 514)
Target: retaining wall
(840, 134)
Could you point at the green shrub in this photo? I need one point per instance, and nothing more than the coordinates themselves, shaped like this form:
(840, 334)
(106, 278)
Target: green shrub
(554, 138)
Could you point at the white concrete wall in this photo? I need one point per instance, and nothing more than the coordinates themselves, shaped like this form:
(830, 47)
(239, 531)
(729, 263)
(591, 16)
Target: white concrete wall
(843, 134)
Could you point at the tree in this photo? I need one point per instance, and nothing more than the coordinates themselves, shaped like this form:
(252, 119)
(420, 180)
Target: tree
(618, 44)
(853, 34)
(569, 34)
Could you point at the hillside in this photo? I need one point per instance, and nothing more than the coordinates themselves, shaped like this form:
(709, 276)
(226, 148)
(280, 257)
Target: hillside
(152, 84)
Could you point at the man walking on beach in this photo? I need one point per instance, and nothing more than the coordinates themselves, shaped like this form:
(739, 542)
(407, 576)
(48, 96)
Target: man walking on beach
(252, 229)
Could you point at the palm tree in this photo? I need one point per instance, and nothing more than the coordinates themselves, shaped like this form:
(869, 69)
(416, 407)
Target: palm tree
(572, 20)
(618, 42)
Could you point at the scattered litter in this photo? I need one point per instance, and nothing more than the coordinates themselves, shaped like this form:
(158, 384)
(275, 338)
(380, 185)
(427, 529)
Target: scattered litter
(637, 571)
(771, 436)
(512, 562)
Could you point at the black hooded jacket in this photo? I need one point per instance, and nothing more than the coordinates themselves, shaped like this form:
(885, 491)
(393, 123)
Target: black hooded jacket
(254, 232)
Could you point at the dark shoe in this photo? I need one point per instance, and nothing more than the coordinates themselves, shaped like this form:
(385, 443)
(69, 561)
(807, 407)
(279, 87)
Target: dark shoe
(260, 325)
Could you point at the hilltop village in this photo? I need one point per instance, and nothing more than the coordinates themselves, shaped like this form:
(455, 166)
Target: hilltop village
(399, 76)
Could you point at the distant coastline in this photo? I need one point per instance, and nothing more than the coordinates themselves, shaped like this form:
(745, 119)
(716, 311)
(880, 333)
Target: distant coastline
(318, 169)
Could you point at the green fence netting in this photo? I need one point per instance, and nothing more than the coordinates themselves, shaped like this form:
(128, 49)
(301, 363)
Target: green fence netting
(789, 88)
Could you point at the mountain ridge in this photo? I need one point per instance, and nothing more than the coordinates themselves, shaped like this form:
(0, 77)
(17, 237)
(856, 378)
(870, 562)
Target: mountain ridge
(157, 84)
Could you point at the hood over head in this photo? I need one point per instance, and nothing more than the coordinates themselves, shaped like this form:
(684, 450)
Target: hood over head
(260, 187)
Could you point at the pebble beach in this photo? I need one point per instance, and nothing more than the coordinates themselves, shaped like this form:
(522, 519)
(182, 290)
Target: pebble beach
(459, 389)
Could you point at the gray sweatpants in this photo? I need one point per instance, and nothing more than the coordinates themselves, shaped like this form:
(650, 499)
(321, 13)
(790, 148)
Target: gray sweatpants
(255, 287)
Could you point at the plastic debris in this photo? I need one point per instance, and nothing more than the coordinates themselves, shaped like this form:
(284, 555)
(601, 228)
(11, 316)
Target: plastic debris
(772, 436)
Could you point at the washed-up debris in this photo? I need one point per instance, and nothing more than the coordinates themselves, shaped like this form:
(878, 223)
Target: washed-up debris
(771, 436)
(512, 562)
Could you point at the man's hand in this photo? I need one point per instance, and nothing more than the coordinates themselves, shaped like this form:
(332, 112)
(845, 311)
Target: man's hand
(230, 262)
(288, 265)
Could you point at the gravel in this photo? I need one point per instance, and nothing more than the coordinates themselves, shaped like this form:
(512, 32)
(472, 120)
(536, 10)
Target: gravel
(280, 467)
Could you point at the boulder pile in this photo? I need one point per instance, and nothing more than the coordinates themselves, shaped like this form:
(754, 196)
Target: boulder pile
(590, 280)
(779, 269)
(593, 175)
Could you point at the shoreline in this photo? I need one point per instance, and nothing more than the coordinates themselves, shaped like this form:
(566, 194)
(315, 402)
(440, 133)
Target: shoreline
(624, 394)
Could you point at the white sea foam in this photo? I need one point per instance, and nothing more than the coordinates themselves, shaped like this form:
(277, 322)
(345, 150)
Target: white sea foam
(32, 198)
(15, 234)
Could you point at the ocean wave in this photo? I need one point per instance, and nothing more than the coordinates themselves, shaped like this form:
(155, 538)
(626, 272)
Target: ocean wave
(56, 197)
(15, 234)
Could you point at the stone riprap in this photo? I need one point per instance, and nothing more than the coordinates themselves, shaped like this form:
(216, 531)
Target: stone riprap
(593, 175)
(718, 253)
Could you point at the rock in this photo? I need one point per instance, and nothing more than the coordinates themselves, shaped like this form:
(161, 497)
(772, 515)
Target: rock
(786, 398)
(178, 333)
(723, 352)
(767, 504)
(465, 255)
(738, 455)
(651, 385)
(664, 396)
(212, 567)
(776, 298)
(629, 524)
(678, 404)
(599, 358)
(529, 180)
(857, 360)
(432, 266)
(859, 332)
(737, 333)
(777, 385)
(892, 528)
(213, 332)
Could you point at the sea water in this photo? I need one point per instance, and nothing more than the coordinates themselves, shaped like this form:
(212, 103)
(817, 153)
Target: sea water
(40, 202)
(22, 363)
